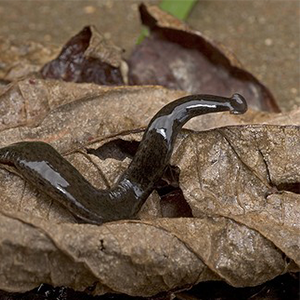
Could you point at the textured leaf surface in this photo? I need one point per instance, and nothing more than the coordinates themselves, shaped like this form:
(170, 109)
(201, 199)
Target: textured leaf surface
(244, 230)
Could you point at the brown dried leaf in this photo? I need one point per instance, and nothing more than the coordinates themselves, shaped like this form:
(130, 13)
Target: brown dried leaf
(67, 114)
(258, 164)
(179, 58)
(87, 57)
(244, 233)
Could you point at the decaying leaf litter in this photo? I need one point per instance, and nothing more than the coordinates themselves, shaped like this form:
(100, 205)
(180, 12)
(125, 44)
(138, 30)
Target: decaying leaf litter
(240, 182)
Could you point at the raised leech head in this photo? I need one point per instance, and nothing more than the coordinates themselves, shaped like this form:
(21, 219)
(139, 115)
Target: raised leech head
(238, 104)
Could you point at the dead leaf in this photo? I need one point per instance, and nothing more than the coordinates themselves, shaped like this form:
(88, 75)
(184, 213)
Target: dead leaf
(87, 57)
(244, 233)
(68, 115)
(180, 58)
(253, 161)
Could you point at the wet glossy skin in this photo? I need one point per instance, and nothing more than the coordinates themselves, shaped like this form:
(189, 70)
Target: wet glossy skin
(41, 165)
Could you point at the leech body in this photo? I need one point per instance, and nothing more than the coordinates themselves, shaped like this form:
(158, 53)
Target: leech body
(46, 169)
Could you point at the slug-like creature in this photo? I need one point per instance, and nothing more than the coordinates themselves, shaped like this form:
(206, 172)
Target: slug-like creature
(41, 165)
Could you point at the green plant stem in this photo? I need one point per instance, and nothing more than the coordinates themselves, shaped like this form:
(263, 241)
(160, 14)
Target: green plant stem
(178, 8)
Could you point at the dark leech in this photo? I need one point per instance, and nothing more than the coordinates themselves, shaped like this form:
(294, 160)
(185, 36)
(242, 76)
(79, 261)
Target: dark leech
(172, 201)
(47, 170)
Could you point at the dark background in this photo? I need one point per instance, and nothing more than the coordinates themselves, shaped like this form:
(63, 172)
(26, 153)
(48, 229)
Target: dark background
(264, 34)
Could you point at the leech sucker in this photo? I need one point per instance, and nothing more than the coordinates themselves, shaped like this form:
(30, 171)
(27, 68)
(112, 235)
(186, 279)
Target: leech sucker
(42, 166)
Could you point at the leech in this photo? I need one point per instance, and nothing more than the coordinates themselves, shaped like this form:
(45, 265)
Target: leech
(42, 166)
